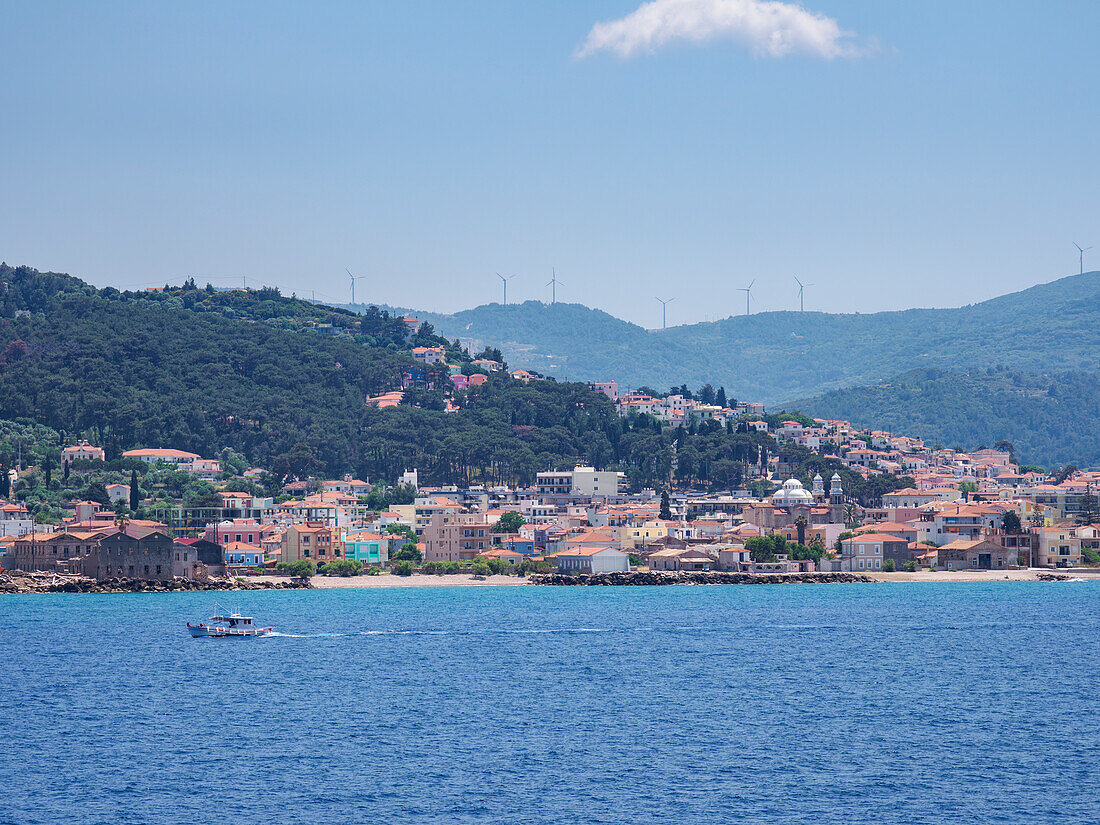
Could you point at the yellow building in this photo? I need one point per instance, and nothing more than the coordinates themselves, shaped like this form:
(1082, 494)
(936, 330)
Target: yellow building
(640, 535)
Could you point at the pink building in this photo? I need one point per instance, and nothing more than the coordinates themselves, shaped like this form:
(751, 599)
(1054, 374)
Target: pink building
(83, 450)
(608, 388)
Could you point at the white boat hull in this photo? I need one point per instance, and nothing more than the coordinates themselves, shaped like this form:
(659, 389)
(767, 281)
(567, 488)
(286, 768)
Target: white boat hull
(205, 631)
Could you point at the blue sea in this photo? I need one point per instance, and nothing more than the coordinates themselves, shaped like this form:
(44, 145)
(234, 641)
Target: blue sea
(890, 703)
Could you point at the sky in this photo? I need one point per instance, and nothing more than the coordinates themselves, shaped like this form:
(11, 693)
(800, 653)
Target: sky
(893, 154)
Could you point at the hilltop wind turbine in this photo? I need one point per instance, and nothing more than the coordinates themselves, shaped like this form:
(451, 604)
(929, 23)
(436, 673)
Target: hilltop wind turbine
(748, 294)
(505, 282)
(553, 284)
(1082, 252)
(664, 311)
(354, 278)
(801, 289)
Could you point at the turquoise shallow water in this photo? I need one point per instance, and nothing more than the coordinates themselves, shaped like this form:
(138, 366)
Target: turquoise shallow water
(924, 703)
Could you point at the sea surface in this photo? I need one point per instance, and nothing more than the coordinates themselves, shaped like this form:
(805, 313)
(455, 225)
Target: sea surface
(889, 703)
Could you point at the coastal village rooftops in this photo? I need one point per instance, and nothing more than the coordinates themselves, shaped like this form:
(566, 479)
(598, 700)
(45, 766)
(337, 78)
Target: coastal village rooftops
(387, 399)
(502, 553)
(581, 551)
(242, 547)
(590, 537)
(890, 526)
(871, 538)
(365, 535)
(160, 453)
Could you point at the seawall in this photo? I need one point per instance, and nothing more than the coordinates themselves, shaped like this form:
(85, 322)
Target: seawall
(16, 582)
(656, 577)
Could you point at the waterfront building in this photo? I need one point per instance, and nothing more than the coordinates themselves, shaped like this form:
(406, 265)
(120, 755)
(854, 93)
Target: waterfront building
(456, 536)
(588, 560)
(367, 547)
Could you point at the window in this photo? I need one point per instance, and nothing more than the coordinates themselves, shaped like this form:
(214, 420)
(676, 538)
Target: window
(158, 569)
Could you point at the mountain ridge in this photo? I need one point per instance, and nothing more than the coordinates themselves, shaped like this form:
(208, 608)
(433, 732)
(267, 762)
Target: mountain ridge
(778, 356)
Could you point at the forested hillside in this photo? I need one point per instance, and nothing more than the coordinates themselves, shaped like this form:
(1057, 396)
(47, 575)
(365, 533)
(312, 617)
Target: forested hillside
(1051, 419)
(205, 371)
(134, 370)
(776, 356)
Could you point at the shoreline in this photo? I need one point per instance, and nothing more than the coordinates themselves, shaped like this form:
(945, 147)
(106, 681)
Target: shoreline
(387, 580)
(15, 583)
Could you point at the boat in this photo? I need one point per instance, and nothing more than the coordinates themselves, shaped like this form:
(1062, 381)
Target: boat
(233, 625)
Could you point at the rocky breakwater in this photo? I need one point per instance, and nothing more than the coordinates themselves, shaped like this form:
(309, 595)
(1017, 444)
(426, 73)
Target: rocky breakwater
(660, 577)
(17, 582)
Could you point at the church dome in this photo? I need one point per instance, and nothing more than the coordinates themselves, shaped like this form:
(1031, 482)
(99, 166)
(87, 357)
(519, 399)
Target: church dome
(792, 494)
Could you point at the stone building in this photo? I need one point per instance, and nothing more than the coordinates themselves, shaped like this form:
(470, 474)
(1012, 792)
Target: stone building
(52, 551)
(137, 554)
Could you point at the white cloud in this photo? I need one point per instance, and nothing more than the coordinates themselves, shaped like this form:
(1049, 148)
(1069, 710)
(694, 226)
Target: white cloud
(768, 28)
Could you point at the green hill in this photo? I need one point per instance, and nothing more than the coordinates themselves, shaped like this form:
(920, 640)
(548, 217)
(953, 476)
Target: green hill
(1052, 419)
(202, 370)
(776, 356)
(252, 372)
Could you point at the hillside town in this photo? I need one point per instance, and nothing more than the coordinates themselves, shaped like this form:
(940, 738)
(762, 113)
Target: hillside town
(963, 511)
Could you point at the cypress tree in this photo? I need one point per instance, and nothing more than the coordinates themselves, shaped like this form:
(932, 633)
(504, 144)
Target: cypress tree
(135, 493)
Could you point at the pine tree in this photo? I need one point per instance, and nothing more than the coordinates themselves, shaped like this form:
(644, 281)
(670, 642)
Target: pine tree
(666, 507)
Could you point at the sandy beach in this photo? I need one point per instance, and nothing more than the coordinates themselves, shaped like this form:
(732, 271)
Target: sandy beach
(418, 580)
(1028, 575)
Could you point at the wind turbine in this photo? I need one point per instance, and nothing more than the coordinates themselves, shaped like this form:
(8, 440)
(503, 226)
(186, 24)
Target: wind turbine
(505, 282)
(748, 294)
(1082, 252)
(664, 311)
(354, 278)
(553, 283)
(801, 289)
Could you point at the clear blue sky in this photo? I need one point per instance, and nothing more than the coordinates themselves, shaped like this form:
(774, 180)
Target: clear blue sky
(943, 153)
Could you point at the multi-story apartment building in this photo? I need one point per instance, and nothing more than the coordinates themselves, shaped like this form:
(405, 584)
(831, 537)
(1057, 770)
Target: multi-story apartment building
(456, 536)
(581, 481)
(313, 541)
(1057, 547)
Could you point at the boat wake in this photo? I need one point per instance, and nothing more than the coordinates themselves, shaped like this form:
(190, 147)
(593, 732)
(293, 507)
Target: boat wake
(487, 632)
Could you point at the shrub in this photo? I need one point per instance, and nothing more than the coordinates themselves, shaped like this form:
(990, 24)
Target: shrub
(408, 552)
(301, 569)
(402, 568)
(342, 567)
(910, 566)
(480, 568)
(888, 566)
